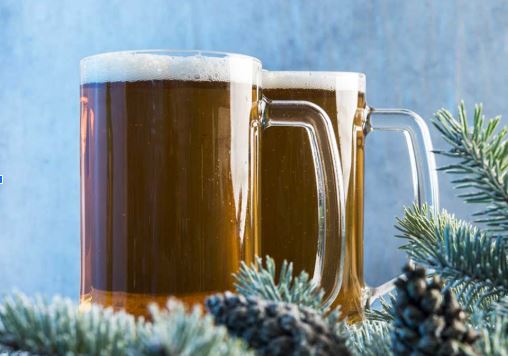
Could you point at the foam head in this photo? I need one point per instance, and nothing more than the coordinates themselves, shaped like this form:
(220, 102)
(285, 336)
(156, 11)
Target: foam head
(340, 81)
(137, 66)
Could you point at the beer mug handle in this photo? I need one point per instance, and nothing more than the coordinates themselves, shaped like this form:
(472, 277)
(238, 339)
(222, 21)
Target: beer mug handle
(423, 165)
(329, 181)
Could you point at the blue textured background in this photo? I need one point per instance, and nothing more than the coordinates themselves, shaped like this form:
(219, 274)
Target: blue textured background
(417, 54)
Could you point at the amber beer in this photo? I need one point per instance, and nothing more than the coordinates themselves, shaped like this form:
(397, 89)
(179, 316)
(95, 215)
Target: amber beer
(289, 220)
(166, 194)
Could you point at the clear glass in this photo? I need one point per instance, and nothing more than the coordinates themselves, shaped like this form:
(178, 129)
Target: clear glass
(331, 213)
(289, 186)
(423, 164)
(170, 173)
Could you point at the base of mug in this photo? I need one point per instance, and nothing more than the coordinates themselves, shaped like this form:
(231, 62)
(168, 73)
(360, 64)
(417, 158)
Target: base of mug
(136, 303)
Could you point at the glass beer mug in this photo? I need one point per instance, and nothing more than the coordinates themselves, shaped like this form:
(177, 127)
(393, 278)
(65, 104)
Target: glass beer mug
(289, 221)
(170, 175)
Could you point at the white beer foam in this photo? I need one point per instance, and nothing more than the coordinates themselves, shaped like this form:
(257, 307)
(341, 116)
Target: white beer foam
(136, 66)
(342, 81)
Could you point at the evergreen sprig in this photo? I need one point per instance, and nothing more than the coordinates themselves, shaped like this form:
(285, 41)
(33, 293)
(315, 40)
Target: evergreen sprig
(501, 308)
(369, 338)
(259, 280)
(176, 331)
(487, 319)
(57, 327)
(474, 264)
(33, 326)
(384, 312)
(494, 341)
(7, 351)
(481, 152)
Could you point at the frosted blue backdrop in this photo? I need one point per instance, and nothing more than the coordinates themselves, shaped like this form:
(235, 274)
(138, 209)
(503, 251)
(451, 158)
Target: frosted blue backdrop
(417, 54)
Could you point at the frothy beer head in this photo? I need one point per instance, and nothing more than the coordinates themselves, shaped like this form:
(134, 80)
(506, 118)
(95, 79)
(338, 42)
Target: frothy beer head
(340, 81)
(194, 66)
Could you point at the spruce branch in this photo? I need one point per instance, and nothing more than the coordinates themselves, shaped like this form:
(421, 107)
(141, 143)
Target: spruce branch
(37, 327)
(385, 312)
(486, 318)
(494, 340)
(369, 338)
(57, 327)
(481, 154)
(473, 264)
(501, 308)
(7, 351)
(176, 331)
(258, 280)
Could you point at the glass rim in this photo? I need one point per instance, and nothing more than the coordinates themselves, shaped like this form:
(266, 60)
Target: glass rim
(360, 75)
(327, 80)
(173, 52)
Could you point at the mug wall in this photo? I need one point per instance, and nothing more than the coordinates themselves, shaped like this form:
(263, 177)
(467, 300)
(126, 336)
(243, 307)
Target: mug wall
(422, 55)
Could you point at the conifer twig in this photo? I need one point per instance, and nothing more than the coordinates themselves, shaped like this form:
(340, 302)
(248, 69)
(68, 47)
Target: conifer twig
(176, 331)
(481, 154)
(474, 264)
(369, 338)
(36, 326)
(259, 280)
(57, 327)
(494, 341)
(385, 312)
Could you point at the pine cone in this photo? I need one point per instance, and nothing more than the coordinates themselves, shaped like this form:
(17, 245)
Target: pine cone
(275, 328)
(427, 320)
